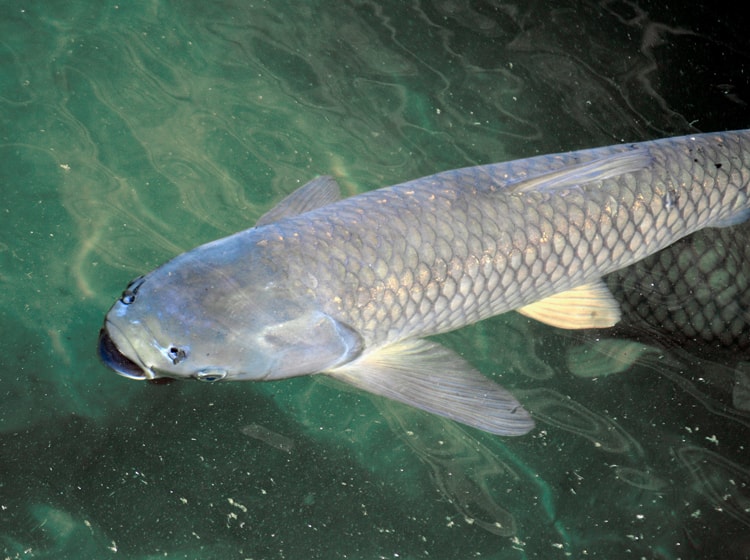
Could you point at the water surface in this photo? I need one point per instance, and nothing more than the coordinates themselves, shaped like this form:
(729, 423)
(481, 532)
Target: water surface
(133, 131)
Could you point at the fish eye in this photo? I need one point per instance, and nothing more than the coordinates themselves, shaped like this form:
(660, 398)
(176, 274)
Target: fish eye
(128, 296)
(209, 375)
(176, 354)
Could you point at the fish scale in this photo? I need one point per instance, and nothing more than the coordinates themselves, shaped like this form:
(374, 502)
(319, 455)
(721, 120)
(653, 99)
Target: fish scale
(695, 293)
(514, 249)
(351, 288)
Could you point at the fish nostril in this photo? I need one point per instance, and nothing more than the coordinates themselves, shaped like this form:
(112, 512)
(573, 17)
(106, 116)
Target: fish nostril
(128, 296)
(111, 356)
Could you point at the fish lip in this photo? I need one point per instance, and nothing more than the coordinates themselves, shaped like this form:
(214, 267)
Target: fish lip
(111, 356)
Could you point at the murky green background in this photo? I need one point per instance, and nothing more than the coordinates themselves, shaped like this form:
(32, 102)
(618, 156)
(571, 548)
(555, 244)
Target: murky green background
(132, 131)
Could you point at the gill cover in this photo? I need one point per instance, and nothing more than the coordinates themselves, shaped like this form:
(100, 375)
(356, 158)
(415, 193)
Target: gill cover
(226, 310)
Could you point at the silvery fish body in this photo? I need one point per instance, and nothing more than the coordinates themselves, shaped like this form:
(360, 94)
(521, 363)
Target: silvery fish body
(351, 287)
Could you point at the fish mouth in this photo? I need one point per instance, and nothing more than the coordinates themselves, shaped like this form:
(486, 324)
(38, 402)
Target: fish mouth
(111, 356)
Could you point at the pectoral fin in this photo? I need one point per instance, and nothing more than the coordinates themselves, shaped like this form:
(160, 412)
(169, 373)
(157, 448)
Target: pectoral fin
(317, 193)
(591, 306)
(426, 375)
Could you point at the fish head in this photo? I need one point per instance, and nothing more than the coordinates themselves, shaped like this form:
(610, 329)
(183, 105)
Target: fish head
(210, 316)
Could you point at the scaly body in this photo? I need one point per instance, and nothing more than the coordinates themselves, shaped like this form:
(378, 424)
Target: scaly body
(350, 287)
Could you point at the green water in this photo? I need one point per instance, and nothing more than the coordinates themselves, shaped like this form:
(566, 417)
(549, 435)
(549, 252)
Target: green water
(132, 131)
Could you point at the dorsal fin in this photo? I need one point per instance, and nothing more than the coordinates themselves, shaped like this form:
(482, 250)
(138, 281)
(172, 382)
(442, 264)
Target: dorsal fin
(319, 192)
(582, 173)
